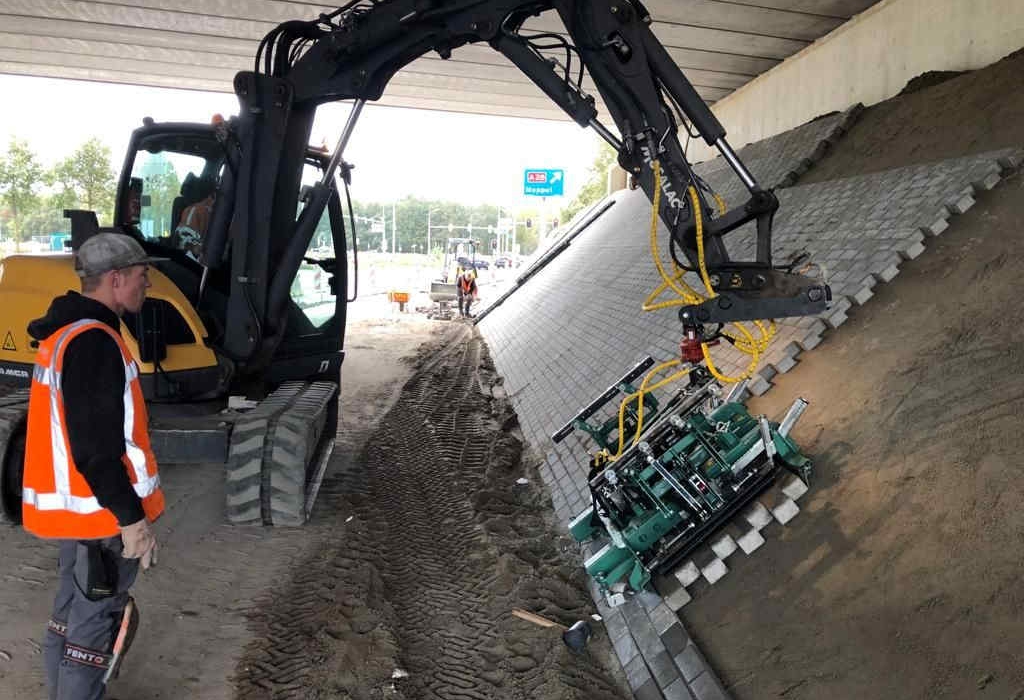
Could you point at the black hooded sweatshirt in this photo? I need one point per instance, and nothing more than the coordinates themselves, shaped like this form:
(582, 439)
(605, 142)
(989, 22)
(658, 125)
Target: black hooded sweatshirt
(92, 386)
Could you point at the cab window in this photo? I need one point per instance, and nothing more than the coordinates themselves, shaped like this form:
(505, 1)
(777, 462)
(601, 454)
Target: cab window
(170, 182)
(311, 290)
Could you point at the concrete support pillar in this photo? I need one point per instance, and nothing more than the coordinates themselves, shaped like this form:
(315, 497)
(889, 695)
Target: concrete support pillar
(617, 179)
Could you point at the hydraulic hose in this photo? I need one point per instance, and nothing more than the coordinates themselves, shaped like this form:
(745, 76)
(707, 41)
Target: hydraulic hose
(742, 339)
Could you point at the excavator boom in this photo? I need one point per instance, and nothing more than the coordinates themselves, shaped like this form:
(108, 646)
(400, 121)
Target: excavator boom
(352, 53)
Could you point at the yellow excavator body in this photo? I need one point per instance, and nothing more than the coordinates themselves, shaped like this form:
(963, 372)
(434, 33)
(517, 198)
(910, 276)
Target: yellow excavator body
(28, 283)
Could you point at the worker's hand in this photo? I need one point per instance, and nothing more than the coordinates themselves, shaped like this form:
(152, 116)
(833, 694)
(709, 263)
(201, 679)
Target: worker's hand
(139, 543)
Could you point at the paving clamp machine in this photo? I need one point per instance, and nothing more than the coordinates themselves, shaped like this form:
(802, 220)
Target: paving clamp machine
(700, 458)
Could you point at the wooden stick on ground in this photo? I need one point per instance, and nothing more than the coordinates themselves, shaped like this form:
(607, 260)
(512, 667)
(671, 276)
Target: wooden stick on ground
(536, 619)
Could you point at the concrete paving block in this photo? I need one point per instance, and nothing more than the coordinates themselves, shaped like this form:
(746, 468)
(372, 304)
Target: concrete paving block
(687, 573)
(678, 691)
(614, 623)
(626, 649)
(648, 691)
(937, 227)
(675, 639)
(811, 341)
(723, 545)
(863, 296)
(888, 274)
(750, 541)
(648, 600)
(961, 205)
(691, 662)
(767, 372)
(840, 304)
(662, 618)
(912, 251)
(707, 687)
(679, 598)
(785, 364)
(989, 181)
(758, 386)
(869, 281)
(714, 571)
(793, 349)
(836, 318)
(637, 673)
(785, 511)
(663, 669)
(756, 515)
(794, 488)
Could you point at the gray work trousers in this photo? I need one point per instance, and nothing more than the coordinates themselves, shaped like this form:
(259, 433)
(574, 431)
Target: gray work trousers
(465, 300)
(80, 634)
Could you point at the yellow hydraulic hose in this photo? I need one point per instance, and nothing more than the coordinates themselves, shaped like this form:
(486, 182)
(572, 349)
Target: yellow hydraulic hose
(639, 397)
(742, 340)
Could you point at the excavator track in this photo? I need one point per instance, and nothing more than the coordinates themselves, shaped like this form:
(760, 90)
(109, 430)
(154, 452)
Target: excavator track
(13, 412)
(277, 455)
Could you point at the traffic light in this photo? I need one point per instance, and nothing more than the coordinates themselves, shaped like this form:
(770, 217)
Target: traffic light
(529, 223)
(494, 244)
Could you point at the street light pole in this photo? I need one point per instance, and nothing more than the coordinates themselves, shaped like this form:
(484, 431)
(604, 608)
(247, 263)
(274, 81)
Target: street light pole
(394, 226)
(429, 212)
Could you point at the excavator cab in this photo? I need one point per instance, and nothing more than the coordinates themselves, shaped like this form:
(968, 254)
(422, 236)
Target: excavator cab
(181, 166)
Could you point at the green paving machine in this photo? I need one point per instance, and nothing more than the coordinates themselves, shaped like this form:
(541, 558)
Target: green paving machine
(700, 460)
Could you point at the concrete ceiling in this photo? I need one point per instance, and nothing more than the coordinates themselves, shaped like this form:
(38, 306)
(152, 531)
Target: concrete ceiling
(201, 44)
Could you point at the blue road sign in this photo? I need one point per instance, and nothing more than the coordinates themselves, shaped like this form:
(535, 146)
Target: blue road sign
(543, 183)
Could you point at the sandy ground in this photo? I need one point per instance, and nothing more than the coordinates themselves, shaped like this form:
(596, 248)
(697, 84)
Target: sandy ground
(901, 577)
(421, 542)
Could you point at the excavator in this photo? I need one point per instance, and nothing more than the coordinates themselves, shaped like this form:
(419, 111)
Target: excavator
(240, 348)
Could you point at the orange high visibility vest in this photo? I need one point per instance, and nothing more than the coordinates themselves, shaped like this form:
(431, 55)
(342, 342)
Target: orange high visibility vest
(56, 500)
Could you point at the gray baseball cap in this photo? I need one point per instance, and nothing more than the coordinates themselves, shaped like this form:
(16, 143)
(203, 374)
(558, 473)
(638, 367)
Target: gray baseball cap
(110, 251)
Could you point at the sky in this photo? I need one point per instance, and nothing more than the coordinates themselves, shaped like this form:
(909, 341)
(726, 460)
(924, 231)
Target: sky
(471, 159)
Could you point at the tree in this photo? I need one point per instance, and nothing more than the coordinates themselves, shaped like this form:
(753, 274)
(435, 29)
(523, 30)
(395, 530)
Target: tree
(20, 174)
(596, 186)
(46, 219)
(88, 175)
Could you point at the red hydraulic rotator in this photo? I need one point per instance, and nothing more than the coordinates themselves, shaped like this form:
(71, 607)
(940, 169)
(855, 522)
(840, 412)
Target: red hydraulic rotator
(690, 346)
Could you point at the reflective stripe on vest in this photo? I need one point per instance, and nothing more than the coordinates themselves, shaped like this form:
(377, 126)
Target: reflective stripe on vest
(135, 457)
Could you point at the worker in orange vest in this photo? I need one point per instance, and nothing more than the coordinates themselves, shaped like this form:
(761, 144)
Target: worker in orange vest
(91, 480)
(466, 291)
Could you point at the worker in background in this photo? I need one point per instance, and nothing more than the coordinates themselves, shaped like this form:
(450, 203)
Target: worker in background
(91, 481)
(467, 292)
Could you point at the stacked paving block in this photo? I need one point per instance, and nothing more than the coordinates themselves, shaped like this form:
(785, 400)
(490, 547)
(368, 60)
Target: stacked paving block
(742, 537)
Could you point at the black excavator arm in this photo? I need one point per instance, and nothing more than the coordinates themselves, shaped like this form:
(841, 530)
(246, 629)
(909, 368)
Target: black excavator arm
(352, 53)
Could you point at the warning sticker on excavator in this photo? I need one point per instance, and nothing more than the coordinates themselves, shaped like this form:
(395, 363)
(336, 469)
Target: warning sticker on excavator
(9, 342)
